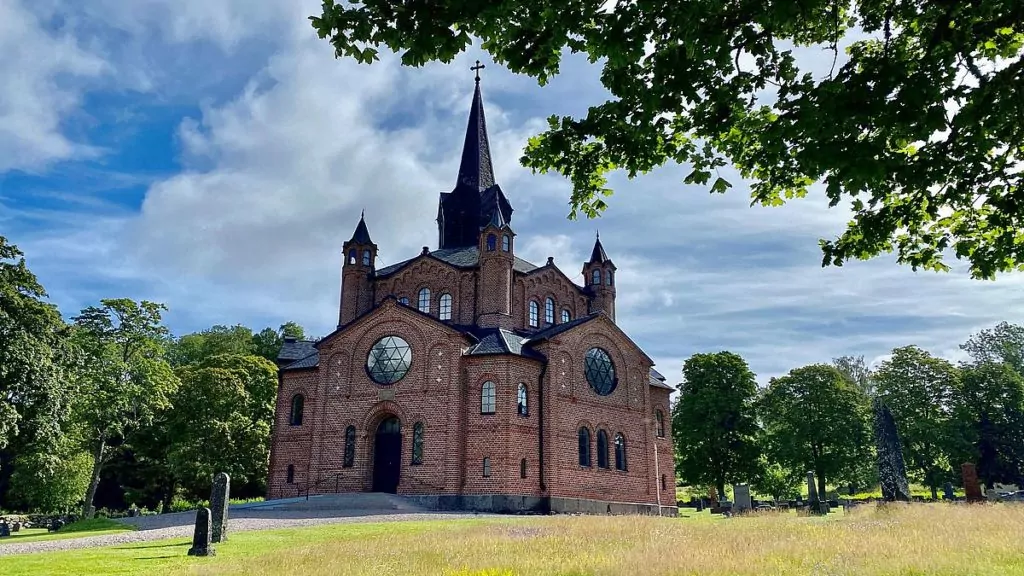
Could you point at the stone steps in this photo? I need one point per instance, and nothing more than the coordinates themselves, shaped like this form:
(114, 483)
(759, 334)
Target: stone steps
(362, 501)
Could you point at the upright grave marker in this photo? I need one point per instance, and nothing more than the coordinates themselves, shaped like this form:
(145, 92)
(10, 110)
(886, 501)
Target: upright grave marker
(892, 472)
(741, 497)
(219, 498)
(201, 537)
(972, 488)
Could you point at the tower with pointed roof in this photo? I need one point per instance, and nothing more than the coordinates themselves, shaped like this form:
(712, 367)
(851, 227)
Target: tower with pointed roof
(357, 274)
(599, 276)
(497, 258)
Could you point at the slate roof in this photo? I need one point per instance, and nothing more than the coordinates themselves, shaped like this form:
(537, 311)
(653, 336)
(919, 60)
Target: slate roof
(293, 350)
(500, 341)
(311, 361)
(361, 235)
(598, 256)
(559, 328)
(658, 381)
(475, 170)
(462, 257)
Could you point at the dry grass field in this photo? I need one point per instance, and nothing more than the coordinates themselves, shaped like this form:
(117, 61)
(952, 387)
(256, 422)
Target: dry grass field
(908, 540)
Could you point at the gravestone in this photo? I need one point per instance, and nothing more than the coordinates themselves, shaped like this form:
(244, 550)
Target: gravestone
(219, 498)
(201, 545)
(947, 491)
(713, 497)
(700, 504)
(972, 488)
(892, 472)
(16, 527)
(741, 497)
(812, 489)
(5, 530)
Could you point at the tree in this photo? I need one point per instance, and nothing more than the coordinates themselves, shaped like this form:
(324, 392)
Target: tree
(194, 348)
(51, 481)
(221, 421)
(713, 422)
(775, 481)
(1004, 343)
(815, 420)
(919, 388)
(917, 129)
(125, 381)
(268, 341)
(856, 372)
(989, 413)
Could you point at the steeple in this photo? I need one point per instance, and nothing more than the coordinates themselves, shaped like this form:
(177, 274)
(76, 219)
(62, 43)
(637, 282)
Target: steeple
(598, 256)
(361, 235)
(476, 171)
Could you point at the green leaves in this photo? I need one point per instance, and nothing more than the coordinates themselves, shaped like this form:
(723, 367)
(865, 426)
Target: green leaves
(895, 126)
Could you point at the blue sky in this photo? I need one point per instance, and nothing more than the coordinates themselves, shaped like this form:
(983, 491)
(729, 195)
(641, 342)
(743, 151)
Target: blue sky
(213, 155)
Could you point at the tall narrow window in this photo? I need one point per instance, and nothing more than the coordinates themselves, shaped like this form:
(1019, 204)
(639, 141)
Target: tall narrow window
(521, 400)
(487, 396)
(298, 403)
(522, 468)
(620, 452)
(597, 277)
(417, 443)
(534, 313)
(659, 421)
(350, 447)
(602, 449)
(566, 316)
(506, 242)
(584, 446)
(352, 256)
(487, 467)
(366, 257)
(492, 242)
(446, 307)
(425, 300)
(291, 475)
(610, 274)
(549, 311)
(662, 481)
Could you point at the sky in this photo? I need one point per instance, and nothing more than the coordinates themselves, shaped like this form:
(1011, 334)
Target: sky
(213, 155)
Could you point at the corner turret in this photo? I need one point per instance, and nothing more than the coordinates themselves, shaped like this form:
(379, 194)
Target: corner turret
(357, 274)
(599, 276)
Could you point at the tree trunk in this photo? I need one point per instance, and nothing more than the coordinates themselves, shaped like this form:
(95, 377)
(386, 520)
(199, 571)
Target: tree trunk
(720, 485)
(935, 491)
(822, 497)
(94, 482)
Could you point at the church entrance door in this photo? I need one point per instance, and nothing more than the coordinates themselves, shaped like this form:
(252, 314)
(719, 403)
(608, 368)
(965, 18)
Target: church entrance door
(387, 456)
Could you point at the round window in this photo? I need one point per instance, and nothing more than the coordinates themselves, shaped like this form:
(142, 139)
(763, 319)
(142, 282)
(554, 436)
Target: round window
(389, 360)
(597, 365)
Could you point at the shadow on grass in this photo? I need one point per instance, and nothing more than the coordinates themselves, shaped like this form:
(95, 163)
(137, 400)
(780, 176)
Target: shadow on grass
(151, 546)
(159, 557)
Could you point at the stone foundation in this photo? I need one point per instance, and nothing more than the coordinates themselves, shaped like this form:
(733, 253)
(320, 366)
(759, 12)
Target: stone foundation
(513, 504)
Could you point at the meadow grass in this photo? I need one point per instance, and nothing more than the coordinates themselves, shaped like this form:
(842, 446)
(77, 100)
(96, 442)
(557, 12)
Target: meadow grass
(90, 527)
(937, 539)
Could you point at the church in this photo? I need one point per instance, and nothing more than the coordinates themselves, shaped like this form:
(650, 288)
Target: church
(468, 378)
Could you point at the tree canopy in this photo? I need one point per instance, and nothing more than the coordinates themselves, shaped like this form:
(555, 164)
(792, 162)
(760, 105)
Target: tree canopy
(918, 130)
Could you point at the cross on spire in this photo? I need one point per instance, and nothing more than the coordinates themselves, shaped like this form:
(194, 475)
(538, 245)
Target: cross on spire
(477, 69)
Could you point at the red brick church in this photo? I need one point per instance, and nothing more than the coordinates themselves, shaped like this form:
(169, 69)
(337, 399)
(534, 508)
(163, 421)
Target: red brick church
(473, 379)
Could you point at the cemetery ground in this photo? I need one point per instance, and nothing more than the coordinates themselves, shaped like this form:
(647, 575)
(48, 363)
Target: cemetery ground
(946, 539)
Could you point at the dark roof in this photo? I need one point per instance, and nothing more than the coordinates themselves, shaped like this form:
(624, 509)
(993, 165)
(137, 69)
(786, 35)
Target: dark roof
(658, 381)
(311, 361)
(476, 170)
(361, 235)
(500, 341)
(293, 350)
(463, 257)
(559, 328)
(598, 256)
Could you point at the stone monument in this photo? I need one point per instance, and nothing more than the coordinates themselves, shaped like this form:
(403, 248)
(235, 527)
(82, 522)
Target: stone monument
(219, 498)
(5, 530)
(892, 472)
(812, 489)
(201, 545)
(741, 497)
(947, 491)
(972, 488)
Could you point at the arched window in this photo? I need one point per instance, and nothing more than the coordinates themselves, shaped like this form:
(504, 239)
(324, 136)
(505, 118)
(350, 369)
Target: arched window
(425, 300)
(659, 421)
(350, 447)
(609, 277)
(522, 468)
(549, 311)
(291, 475)
(487, 467)
(534, 313)
(298, 403)
(596, 278)
(446, 307)
(506, 242)
(352, 256)
(487, 396)
(566, 316)
(417, 443)
(602, 449)
(521, 400)
(492, 242)
(620, 452)
(584, 446)
(366, 257)
(403, 300)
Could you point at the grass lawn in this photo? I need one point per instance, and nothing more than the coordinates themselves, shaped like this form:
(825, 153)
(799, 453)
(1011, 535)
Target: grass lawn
(93, 527)
(911, 540)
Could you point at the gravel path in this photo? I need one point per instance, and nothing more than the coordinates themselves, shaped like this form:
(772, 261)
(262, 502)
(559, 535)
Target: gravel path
(180, 526)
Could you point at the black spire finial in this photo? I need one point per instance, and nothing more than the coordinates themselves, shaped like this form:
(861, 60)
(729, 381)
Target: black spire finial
(598, 256)
(361, 235)
(477, 69)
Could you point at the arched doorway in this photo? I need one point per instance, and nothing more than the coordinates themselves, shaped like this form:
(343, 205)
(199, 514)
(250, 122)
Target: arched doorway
(387, 455)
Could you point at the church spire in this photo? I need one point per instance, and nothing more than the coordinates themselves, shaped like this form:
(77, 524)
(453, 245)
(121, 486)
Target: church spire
(476, 171)
(361, 235)
(598, 256)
